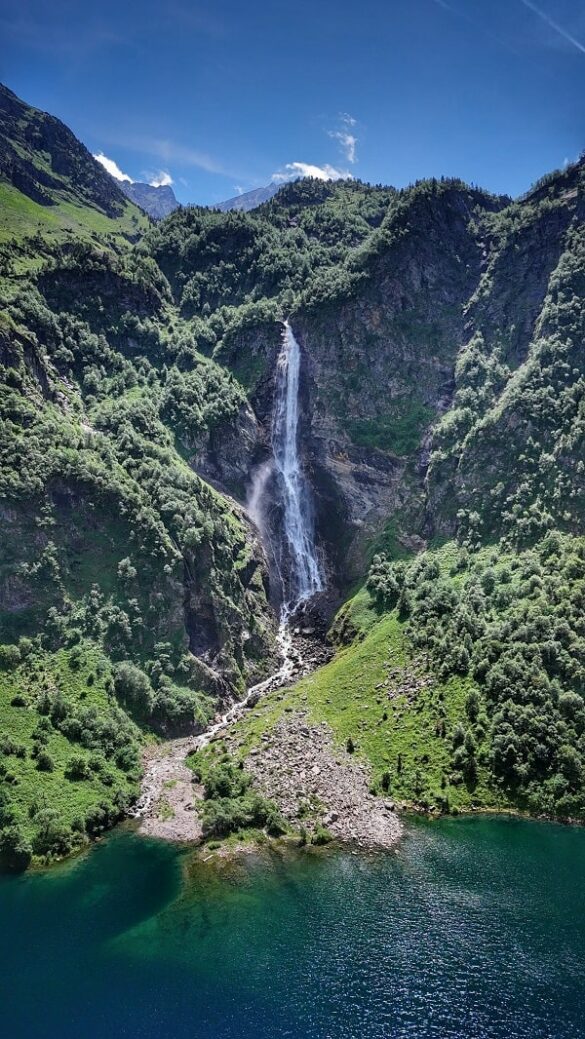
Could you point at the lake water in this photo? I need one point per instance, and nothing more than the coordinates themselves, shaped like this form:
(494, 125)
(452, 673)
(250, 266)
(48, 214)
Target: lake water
(474, 928)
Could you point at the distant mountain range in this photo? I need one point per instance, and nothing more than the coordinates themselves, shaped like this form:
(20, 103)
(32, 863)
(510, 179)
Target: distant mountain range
(158, 202)
(249, 199)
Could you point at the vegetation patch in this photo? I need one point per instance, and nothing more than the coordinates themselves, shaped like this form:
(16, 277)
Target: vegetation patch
(231, 805)
(399, 434)
(69, 755)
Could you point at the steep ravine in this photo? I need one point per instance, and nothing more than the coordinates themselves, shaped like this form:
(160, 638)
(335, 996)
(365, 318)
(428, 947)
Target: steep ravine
(169, 799)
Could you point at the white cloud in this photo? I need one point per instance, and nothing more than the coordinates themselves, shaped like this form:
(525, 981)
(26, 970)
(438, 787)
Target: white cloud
(162, 179)
(347, 140)
(112, 168)
(292, 170)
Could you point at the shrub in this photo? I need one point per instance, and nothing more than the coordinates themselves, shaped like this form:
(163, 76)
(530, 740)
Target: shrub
(133, 687)
(15, 849)
(45, 762)
(9, 657)
(321, 835)
(77, 768)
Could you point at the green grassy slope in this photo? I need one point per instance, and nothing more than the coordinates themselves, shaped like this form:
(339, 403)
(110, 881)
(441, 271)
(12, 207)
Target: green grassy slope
(69, 756)
(463, 683)
(397, 714)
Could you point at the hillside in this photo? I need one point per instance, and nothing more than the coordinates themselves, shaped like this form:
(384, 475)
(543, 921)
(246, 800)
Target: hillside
(51, 187)
(132, 593)
(442, 387)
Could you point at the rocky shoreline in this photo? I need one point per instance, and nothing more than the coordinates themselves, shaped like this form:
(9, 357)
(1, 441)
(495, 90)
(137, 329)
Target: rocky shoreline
(297, 765)
(169, 798)
(315, 783)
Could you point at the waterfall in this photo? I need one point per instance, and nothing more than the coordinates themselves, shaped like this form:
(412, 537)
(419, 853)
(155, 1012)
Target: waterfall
(302, 571)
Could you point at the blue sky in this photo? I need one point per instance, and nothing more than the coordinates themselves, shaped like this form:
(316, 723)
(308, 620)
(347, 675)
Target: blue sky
(220, 96)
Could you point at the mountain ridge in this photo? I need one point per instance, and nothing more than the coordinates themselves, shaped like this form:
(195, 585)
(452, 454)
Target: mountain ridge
(441, 397)
(248, 200)
(157, 201)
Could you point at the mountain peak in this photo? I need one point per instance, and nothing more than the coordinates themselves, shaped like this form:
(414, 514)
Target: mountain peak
(157, 201)
(249, 199)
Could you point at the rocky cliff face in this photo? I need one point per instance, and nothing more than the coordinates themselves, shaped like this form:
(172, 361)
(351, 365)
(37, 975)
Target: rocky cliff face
(158, 202)
(380, 371)
(496, 466)
(416, 345)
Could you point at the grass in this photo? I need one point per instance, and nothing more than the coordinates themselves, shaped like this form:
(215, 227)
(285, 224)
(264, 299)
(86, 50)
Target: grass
(21, 218)
(377, 694)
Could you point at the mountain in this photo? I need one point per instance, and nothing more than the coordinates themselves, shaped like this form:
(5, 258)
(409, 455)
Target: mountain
(442, 438)
(45, 161)
(158, 202)
(248, 199)
(50, 184)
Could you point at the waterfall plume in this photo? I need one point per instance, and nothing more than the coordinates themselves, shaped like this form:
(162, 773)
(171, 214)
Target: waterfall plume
(302, 575)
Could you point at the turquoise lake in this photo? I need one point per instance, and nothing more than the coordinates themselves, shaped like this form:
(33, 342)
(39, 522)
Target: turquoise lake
(473, 928)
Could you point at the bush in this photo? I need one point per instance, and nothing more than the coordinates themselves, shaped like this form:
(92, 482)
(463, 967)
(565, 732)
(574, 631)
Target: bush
(321, 835)
(9, 657)
(45, 762)
(133, 687)
(15, 849)
(77, 768)
(226, 780)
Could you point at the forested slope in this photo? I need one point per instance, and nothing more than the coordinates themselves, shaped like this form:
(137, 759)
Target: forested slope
(442, 408)
(132, 592)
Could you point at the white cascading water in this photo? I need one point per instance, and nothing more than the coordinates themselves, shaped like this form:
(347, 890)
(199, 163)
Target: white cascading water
(303, 577)
(301, 572)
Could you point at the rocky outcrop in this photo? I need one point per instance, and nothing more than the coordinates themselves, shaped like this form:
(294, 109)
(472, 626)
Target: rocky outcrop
(314, 783)
(380, 371)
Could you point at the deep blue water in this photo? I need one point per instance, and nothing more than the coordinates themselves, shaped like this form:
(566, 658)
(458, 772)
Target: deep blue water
(474, 928)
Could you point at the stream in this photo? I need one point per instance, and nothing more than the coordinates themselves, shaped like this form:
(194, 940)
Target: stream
(167, 803)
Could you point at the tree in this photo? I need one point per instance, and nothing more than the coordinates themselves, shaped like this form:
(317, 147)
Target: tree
(15, 848)
(133, 687)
